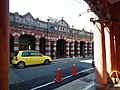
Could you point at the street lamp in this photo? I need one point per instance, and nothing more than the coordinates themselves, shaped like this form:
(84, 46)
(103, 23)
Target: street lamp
(72, 31)
(47, 27)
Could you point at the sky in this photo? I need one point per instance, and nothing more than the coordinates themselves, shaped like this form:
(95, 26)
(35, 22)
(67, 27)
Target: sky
(68, 9)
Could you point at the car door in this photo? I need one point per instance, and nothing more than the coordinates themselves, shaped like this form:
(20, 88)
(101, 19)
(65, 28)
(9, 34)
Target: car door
(36, 57)
(25, 58)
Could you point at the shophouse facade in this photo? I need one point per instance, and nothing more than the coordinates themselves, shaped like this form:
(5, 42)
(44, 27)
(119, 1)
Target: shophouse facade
(54, 38)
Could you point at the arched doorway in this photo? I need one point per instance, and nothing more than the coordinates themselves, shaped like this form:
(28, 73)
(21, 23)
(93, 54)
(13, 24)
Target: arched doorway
(42, 45)
(11, 46)
(11, 43)
(27, 42)
(82, 48)
(60, 50)
(52, 49)
(75, 46)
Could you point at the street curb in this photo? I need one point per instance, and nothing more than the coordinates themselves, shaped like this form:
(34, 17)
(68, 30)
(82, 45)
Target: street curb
(81, 58)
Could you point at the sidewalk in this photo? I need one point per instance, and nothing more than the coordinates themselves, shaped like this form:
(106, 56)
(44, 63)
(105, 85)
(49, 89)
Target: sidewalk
(84, 83)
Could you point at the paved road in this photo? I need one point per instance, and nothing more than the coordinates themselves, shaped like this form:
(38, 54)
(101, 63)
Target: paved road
(32, 76)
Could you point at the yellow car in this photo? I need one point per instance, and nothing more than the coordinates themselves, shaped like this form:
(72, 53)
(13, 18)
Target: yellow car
(29, 57)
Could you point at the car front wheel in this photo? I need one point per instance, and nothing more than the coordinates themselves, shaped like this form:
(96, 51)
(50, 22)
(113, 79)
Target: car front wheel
(21, 65)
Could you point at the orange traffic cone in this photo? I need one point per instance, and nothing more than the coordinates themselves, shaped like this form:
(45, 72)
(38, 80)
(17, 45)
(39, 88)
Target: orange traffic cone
(59, 76)
(74, 71)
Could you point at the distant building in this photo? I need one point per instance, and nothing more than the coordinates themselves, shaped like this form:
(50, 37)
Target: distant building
(55, 39)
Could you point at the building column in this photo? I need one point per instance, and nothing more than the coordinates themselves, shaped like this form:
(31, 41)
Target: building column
(4, 44)
(100, 57)
(85, 49)
(109, 51)
(37, 44)
(78, 49)
(72, 49)
(48, 48)
(90, 49)
(67, 49)
(54, 50)
(16, 43)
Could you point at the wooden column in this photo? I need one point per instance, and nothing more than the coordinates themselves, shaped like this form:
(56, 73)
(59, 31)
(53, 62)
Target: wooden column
(4, 45)
(108, 50)
(100, 57)
(116, 45)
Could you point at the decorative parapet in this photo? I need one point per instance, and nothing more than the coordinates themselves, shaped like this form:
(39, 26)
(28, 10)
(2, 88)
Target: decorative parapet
(60, 27)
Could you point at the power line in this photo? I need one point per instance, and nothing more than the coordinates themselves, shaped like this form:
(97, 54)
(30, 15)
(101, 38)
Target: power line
(81, 3)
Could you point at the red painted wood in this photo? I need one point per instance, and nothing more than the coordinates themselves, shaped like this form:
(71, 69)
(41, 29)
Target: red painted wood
(4, 45)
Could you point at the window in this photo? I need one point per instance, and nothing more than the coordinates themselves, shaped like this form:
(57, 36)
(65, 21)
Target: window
(25, 54)
(35, 54)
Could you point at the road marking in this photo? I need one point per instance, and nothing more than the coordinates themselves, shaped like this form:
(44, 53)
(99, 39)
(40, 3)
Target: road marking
(89, 86)
(43, 85)
(86, 61)
(62, 79)
(85, 70)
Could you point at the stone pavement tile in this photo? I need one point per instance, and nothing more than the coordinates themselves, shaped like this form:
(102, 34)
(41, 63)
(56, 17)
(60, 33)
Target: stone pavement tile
(74, 85)
(90, 86)
(84, 83)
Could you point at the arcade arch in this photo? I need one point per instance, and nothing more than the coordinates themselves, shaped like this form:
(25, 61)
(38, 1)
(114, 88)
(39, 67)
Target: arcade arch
(60, 50)
(26, 42)
(11, 43)
(75, 47)
(82, 47)
(42, 45)
(11, 46)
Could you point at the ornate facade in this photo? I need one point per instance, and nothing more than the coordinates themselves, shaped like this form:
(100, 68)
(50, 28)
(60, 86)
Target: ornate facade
(54, 38)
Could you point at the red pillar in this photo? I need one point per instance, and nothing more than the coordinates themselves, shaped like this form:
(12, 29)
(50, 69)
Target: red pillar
(72, 49)
(67, 49)
(116, 39)
(108, 41)
(78, 49)
(16, 43)
(48, 47)
(90, 49)
(37, 44)
(4, 45)
(54, 49)
(100, 57)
